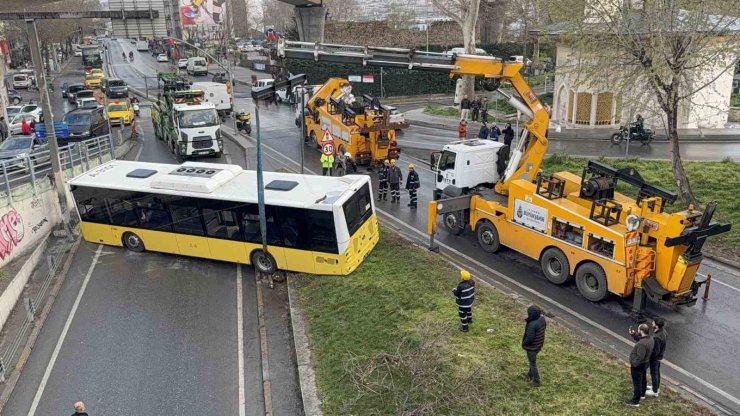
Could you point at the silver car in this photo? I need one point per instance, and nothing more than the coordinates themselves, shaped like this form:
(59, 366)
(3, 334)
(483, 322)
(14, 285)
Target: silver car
(16, 151)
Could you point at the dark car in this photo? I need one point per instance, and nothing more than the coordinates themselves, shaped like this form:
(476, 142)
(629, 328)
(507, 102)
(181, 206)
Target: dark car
(72, 90)
(14, 97)
(79, 95)
(86, 123)
(115, 88)
(219, 77)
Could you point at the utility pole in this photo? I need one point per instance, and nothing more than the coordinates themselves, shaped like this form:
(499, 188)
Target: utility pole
(51, 136)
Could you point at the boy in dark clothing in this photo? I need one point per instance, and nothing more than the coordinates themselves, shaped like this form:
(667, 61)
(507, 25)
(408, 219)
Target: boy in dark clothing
(464, 297)
(659, 338)
(639, 359)
(533, 341)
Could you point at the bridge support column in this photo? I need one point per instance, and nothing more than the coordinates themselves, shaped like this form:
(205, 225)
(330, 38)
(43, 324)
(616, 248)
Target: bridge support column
(310, 21)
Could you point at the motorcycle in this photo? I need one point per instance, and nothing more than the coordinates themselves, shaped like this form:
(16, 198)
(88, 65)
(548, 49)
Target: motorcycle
(136, 109)
(244, 122)
(631, 133)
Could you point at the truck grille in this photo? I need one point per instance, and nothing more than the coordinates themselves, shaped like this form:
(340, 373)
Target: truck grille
(202, 142)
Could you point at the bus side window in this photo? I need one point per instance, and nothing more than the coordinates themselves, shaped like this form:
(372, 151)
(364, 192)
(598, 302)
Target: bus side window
(293, 227)
(186, 216)
(122, 210)
(91, 205)
(152, 212)
(251, 225)
(221, 219)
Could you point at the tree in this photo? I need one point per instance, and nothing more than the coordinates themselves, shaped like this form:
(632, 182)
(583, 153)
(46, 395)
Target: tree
(465, 14)
(667, 52)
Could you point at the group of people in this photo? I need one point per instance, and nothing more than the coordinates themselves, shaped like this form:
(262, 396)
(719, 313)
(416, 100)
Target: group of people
(339, 165)
(488, 132)
(391, 177)
(646, 354)
(476, 108)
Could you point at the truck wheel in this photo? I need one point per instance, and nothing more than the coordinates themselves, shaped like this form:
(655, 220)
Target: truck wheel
(454, 222)
(488, 237)
(133, 242)
(555, 266)
(591, 282)
(263, 262)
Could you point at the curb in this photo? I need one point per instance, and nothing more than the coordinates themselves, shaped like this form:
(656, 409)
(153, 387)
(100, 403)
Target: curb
(306, 376)
(38, 325)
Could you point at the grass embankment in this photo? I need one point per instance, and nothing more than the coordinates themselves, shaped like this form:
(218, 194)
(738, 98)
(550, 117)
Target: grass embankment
(385, 341)
(711, 181)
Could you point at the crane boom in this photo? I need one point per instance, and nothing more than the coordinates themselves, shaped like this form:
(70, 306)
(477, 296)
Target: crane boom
(528, 155)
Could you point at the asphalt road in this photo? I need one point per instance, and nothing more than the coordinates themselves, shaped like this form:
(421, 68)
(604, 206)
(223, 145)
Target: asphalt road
(151, 333)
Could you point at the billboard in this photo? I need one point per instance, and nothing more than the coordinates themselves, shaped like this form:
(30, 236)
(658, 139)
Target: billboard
(204, 13)
(139, 28)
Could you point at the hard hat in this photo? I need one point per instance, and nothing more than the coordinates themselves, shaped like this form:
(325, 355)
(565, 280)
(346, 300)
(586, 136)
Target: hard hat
(411, 165)
(348, 154)
(465, 274)
(393, 161)
(387, 162)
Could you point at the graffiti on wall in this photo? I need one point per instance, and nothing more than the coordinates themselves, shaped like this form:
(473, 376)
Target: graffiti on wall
(11, 232)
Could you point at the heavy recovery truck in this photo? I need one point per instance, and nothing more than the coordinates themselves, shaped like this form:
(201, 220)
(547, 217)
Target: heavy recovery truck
(189, 126)
(578, 227)
(362, 128)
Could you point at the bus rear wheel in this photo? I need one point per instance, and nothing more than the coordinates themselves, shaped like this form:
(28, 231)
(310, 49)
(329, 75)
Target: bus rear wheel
(555, 266)
(263, 262)
(133, 242)
(591, 282)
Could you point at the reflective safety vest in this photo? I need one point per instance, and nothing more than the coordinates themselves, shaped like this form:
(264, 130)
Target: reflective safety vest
(327, 161)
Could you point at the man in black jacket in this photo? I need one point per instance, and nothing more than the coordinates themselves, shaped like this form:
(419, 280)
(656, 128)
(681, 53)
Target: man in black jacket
(533, 340)
(639, 359)
(383, 181)
(395, 177)
(508, 134)
(464, 107)
(464, 297)
(659, 337)
(412, 184)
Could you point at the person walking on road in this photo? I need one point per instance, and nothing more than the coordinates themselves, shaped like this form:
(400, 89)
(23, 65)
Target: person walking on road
(464, 107)
(659, 338)
(639, 360)
(464, 297)
(395, 176)
(412, 184)
(508, 134)
(80, 409)
(3, 129)
(383, 181)
(533, 340)
(484, 131)
(327, 162)
(462, 129)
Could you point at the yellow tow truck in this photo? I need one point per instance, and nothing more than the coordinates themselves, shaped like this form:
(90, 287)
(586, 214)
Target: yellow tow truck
(578, 227)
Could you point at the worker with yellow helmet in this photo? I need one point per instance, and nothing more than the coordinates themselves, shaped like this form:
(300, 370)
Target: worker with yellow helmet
(383, 181)
(464, 297)
(395, 176)
(412, 184)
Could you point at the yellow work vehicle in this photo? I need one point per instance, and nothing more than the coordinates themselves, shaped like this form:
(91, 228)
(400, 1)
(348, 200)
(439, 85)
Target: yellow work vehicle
(362, 128)
(575, 226)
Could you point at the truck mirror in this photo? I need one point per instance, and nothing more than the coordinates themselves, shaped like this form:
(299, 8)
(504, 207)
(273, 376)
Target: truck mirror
(433, 161)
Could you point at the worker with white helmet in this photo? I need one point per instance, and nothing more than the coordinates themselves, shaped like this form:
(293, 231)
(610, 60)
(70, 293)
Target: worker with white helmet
(464, 297)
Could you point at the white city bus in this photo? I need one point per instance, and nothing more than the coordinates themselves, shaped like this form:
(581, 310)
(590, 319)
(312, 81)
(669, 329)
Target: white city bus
(315, 224)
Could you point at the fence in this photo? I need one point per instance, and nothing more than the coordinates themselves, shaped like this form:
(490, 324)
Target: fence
(28, 174)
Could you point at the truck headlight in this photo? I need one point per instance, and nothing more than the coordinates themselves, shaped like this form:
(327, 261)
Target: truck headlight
(183, 148)
(220, 144)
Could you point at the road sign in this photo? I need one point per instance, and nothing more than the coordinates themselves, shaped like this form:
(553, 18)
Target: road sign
(327, 148)
(327, 137)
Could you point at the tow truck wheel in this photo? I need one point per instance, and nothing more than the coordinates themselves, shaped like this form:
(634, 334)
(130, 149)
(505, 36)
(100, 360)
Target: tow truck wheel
(555, 266)
(488, 237)
(591, 282)
(454, 222)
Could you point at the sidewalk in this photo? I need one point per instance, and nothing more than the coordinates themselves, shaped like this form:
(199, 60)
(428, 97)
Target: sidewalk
(418, 117)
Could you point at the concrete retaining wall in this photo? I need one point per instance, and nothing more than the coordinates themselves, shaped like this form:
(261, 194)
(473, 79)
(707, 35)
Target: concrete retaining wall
(27, 222)
(14, 290)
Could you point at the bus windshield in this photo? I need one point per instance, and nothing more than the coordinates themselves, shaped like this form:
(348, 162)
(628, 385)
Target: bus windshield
(198, 118)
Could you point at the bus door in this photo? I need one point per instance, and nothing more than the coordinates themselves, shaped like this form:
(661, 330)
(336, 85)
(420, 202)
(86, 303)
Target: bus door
(187, 223)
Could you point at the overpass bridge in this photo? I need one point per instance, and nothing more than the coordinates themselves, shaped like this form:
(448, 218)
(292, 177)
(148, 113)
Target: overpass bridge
(309, 16)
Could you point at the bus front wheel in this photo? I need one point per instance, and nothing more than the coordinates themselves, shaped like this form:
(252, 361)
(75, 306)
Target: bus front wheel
(133, 242)
(263, 262)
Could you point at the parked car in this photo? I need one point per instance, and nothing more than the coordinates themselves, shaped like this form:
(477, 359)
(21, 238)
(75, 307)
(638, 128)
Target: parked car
(13, 110)
(21, 81)
(14, 97)
(162, 58)
(182, 63)
(72, 90)
(33, 109)
(14, 151)
(83, 94)
(14, 125)
(88, 103)
(115, 88)
(86, 123)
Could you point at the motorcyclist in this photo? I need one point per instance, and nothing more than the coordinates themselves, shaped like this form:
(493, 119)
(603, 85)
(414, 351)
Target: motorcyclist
(131, 56)
(639, 125)
(124, 55)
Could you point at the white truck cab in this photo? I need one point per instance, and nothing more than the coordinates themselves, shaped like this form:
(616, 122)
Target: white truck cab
(197, 130)
(466, 165)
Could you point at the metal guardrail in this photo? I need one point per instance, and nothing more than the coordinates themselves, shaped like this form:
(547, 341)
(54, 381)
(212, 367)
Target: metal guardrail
(36, 166)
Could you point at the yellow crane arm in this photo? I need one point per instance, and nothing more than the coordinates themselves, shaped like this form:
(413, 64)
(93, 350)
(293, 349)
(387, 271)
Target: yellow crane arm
(532, 146)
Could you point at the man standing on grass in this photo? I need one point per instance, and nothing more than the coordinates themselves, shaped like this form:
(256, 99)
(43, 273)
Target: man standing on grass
(464, 297)
(533, 340)
(659, 338)
(464, 107)
(639, 359)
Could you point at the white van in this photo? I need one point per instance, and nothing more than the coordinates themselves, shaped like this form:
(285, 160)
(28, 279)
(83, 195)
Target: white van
(197, 66)
(21, 81)
(216, 94)
(263, 82)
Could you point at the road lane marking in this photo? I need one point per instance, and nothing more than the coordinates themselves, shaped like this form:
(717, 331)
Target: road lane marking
(138, 153)
(266, 383)
(240, 339)
(512, 281)
(63, 335)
